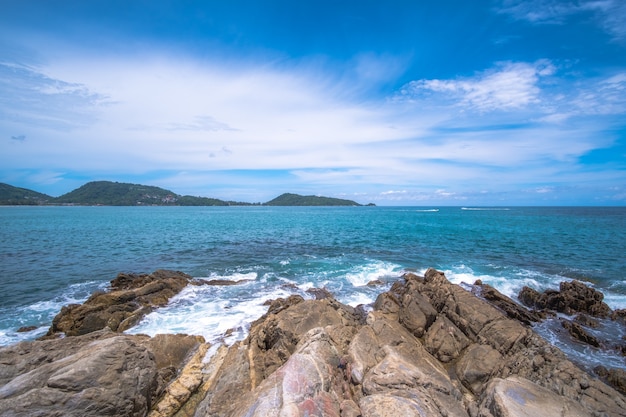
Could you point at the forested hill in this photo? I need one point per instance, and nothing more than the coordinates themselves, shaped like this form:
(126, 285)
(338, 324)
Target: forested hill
(108, 193)
(288, 199)
(16, 196)
(124, 194)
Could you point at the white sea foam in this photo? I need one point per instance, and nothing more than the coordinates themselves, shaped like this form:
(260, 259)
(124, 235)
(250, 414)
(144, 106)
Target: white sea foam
(427, 210)
(485, 208)
(358, 298)
(211, 312)
(236, 276)
(41, 313)
(363, 274)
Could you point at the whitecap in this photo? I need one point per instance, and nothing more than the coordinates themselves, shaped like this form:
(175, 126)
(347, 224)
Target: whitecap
(363, 274)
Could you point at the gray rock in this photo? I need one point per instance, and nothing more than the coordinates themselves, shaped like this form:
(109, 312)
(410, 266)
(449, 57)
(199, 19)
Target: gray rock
(518, 397)
(115, 376)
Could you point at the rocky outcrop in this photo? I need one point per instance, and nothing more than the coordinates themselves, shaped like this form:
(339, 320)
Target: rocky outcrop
(428, 348)
(586, 303)
(573, 297)
(100, 374)
(131, 297)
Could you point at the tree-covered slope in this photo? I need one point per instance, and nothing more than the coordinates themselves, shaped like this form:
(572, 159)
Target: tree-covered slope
(289, 199)
(10, 195)
(124, 194)
(117, 194)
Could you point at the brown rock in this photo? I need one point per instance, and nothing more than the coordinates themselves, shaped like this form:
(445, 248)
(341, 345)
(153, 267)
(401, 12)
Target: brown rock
(508, 306)
(302, 386)
(444, 340)
(132, 296)
(519, 397)
(573, 297)
(112, 376)
(416, 313)
(579, 333)
(320, 357)
(477, 365)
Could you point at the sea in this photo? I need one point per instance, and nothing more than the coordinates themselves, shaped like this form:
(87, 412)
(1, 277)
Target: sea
(51, 256)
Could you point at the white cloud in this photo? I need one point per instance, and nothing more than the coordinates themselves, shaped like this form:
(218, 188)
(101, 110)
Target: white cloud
(509, 86)
(610, 15)
(196, 121)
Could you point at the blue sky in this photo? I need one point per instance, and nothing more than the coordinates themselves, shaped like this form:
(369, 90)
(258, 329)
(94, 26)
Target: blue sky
(501, 102)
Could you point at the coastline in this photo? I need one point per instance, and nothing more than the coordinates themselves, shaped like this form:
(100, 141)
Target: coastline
(426, 344)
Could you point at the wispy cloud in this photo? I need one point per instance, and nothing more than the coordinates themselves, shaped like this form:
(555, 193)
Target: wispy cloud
(200, 123)
(610, 15)
(32, 98)
(510, 85)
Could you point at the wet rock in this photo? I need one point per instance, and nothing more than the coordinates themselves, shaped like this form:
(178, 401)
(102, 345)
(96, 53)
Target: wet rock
(508, 306)
(131, 297)
(25, 329)
(579, 333)
(219, 282)
(573, 297)
(587, 321)
(319, 293)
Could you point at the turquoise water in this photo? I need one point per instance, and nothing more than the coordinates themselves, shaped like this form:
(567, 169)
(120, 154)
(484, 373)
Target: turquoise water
(52, 256)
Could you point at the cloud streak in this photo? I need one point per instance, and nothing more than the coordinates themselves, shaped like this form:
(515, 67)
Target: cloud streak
(511, 85)
(610, 15)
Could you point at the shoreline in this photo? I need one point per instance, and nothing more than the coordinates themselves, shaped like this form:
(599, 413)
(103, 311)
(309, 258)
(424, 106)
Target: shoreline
(440, 325)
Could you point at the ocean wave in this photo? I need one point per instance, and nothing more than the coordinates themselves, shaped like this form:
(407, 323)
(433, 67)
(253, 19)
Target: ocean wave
(486, 208)
(40, 314)
(363, 274)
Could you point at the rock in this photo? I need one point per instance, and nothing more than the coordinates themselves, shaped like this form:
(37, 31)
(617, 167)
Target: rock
(303, 386)
(219, 282)
(519, 397)
(444, 340)
(477, 365)
(416, 313)
(587, 321)
(319, 293)
(573, 297)
(111, 376)
(131, 297)
(508, 306)
(25, 329)
(579, 333)
(429, 347)
(181, 389)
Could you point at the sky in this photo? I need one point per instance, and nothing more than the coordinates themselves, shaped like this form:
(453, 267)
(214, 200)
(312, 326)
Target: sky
(422, 103)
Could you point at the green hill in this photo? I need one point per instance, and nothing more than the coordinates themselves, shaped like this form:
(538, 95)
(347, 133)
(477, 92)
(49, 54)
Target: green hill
(288, 199)
(10, 195)
(124, 194)
(108, 193)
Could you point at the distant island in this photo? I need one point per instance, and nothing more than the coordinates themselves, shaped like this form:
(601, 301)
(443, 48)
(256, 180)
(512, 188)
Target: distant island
(108, 193)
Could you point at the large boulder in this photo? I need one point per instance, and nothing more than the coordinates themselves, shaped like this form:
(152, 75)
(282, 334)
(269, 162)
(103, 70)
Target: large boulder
(519, 397)
(99, 374)
(112, 376)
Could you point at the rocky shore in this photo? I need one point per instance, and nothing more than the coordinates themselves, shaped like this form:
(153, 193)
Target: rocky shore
(426, 348)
